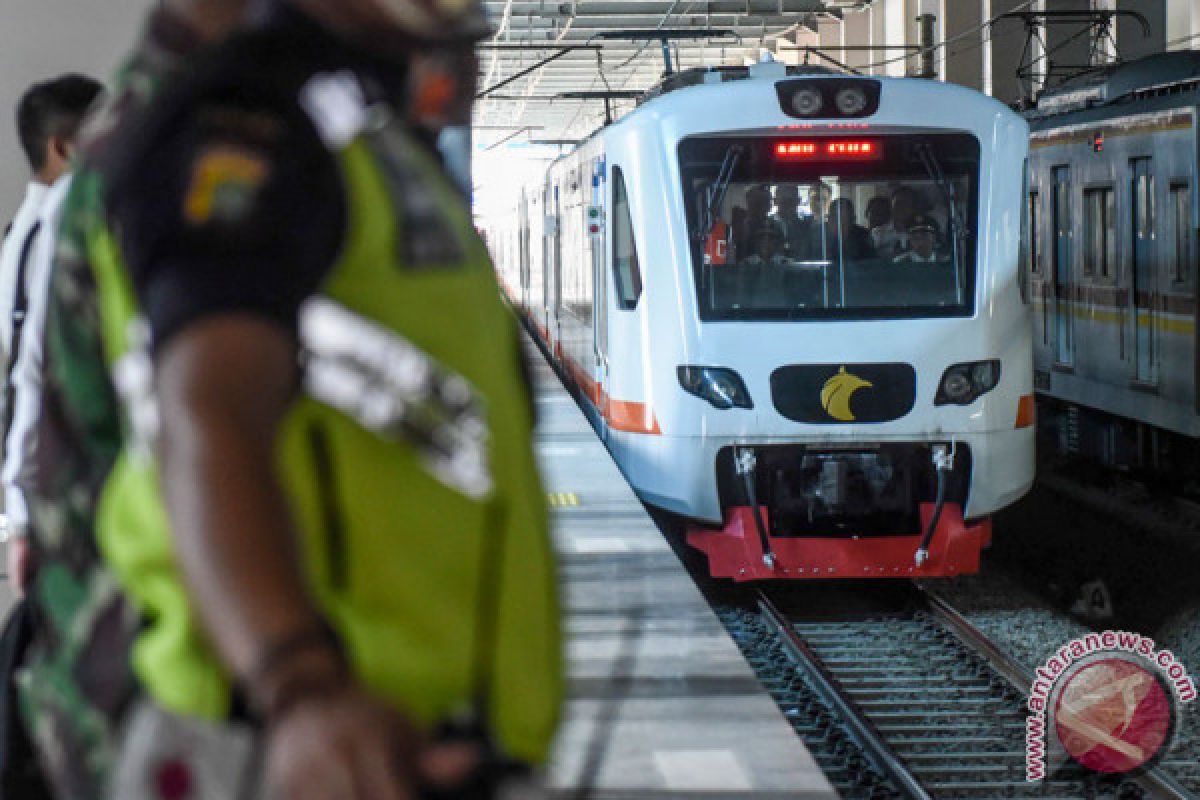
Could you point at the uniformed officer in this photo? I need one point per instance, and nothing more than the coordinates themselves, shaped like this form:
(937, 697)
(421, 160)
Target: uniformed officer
(323, 509)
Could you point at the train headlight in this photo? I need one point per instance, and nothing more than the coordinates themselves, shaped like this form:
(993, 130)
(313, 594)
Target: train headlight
(850, 101)
(807, 102)
(963, 384)
(722, 388)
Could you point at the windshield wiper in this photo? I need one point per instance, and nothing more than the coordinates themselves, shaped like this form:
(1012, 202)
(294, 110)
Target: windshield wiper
(956, 230)
(718, 190)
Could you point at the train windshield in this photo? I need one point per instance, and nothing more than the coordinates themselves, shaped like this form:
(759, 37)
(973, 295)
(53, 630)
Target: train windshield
(878, 226)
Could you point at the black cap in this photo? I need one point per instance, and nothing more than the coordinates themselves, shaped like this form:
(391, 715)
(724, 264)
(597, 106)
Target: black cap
(922, 222)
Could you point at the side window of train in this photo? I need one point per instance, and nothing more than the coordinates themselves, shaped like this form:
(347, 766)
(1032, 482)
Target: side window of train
(1183, 252)
(627, 273)
(1100, 232)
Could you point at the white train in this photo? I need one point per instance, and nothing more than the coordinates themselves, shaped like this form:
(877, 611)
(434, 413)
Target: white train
(790, 300)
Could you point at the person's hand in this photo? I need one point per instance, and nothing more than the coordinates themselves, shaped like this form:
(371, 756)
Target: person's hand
(347, 746)
(18, 563)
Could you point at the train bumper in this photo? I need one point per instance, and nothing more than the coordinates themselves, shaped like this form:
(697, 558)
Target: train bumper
(735, 551)
(680, 473)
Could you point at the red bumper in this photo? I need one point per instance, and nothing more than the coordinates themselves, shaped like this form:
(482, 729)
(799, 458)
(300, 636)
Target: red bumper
(736, 552)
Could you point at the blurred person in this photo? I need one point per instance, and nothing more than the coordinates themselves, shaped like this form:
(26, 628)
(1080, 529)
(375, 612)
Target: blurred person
(442, 96)
(252, 570)
(76, 679)
(49, 117)
(923, 240)
(845, 238)
(891, 238)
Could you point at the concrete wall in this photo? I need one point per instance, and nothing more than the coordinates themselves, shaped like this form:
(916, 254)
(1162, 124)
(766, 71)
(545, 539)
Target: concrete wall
(42, 39)
(962, 61)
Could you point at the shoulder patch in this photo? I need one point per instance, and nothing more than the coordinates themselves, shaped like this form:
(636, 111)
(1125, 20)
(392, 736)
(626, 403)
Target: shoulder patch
(224, 184)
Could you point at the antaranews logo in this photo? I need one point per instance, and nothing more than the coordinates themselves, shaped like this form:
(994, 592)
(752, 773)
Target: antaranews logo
(1112, 700)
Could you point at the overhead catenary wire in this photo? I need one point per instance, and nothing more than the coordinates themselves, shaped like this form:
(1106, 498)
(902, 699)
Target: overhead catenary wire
(606, 74)
(984, 29)
(945, 42)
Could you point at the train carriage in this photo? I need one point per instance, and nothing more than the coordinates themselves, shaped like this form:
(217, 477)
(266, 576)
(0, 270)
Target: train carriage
(820, 392)
(1112, 217)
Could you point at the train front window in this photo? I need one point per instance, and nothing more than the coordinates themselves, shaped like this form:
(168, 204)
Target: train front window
(877, 226)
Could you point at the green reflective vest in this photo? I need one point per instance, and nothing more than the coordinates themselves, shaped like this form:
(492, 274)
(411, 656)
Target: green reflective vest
(407, 462)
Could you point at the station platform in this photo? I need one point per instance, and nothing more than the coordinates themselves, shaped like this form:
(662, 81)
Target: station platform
(662, 703)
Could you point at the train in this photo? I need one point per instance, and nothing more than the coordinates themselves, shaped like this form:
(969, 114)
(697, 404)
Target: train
(1111, 266)
(790, 302)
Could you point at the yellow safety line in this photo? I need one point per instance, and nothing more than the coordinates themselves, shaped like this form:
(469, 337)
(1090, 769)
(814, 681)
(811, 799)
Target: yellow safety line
(562, 499)
(1145, 320)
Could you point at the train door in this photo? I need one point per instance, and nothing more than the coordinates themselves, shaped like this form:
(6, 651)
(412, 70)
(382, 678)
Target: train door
(1144, 279)
(1064, 329)
(554, 267)
(596, 234)
(523, 250)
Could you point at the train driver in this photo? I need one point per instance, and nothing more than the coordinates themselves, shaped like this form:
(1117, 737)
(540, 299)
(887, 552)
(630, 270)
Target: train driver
(922, 240)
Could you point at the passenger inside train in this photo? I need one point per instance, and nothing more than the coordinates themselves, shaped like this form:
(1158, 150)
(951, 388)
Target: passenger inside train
(841, 255)
(923, 242)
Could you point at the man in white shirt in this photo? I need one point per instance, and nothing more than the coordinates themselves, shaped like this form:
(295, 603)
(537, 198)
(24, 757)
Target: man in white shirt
(49, 117)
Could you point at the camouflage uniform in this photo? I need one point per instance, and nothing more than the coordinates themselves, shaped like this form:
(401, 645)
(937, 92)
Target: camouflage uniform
(78, 680)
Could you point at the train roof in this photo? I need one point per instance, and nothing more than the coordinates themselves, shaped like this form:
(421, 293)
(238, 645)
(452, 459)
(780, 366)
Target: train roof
(1160, 81)
(702, 75)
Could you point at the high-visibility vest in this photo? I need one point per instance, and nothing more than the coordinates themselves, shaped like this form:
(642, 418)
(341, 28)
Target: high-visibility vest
(426, 547)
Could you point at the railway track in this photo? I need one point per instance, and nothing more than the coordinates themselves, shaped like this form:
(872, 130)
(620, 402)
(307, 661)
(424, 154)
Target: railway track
(926, 707)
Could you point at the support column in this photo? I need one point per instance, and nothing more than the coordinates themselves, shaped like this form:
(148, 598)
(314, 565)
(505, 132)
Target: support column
(895, 32)
(878, 34)
(856, 31)
(962, 61)
(1183, 25)
(1104, 52)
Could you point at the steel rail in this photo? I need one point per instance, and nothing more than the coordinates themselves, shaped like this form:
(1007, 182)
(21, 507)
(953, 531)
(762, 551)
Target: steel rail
(1161, 785)
(865, 734)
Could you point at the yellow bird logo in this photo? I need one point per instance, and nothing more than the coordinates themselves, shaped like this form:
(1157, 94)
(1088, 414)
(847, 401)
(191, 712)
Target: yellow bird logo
(837, 392)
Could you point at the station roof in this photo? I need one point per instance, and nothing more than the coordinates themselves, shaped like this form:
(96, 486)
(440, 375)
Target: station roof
(543, 72)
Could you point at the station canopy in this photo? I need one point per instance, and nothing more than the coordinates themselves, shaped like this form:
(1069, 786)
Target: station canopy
(545, 71)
